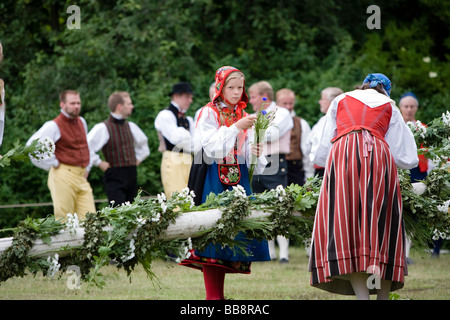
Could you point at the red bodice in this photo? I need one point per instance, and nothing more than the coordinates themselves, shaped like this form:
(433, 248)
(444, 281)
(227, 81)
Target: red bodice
(353, 114)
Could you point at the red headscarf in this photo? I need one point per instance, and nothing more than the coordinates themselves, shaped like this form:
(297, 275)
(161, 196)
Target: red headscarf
(223, 117)
(221, 75)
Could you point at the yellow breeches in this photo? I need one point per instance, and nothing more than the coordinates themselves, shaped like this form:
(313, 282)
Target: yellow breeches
(70, 191)
(175, 168)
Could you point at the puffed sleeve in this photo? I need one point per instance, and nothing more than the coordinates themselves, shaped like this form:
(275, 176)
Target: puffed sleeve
(401, 141)
(48, 130)
(216, 141)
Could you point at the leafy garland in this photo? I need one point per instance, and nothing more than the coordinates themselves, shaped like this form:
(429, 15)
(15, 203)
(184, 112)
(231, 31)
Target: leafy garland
(427, 214)
(130, 234)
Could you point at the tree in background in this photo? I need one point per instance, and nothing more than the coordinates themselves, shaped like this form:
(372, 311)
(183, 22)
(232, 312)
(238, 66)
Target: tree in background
(144, 47)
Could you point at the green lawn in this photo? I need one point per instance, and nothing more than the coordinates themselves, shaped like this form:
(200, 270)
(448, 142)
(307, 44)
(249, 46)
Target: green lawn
(428, 279)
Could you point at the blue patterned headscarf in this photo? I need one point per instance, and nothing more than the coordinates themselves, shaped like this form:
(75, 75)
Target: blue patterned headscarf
(375, 78)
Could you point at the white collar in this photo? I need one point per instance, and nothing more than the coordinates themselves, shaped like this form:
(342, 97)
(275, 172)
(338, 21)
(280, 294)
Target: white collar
(175, 105)
(117, 116)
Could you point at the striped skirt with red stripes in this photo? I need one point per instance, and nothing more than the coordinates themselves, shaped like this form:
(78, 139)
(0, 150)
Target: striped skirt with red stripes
(358, 224)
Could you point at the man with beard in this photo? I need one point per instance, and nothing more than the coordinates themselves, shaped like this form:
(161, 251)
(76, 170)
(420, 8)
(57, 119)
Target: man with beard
(69, 165)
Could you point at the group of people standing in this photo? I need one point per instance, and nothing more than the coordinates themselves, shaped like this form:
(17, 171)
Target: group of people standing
(123, 143)
(356, 146)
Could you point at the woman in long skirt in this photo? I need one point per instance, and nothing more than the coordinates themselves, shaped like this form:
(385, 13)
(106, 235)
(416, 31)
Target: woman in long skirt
(359, 236)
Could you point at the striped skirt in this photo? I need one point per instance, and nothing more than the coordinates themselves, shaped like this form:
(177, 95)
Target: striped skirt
(358, 224)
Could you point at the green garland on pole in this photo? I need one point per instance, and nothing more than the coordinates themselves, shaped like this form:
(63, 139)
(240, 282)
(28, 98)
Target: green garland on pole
(130, 234)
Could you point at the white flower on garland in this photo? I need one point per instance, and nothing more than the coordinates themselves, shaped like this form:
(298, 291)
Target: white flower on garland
(130, 252)
(161, 197)
(188, 196)
(419, 127)
(444, 206)
(54, 265)
(240, 191)
(440, 234)
(280, 192)
(158, 215)
(162, 201)
(72, 222)
(446, 118)
(186, 251)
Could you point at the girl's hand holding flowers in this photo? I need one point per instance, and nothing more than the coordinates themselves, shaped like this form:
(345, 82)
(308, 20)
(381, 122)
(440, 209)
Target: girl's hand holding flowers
(246, 122)
(257, 149)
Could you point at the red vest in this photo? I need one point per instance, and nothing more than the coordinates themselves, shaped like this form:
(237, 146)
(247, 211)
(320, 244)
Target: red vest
(72, 148)
(352, 114)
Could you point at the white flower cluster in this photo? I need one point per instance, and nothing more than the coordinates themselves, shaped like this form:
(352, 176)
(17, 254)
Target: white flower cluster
(46, 148)
(240, 191)
(440, 234)
(54, 265)
(446, 118)
(186, 251)
(280, 192)
(187, 195)
(72, 223)
(444, 206)
(162, 201)
(130, 252)
(419, 127)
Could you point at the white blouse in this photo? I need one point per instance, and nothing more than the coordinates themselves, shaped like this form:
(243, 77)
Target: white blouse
(398, 136)
(217, 141)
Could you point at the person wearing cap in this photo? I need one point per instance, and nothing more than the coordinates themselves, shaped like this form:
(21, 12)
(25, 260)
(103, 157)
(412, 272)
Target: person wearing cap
(358, 235)
(175, 133)
(221, 163)
(124, 146)
(409, 104)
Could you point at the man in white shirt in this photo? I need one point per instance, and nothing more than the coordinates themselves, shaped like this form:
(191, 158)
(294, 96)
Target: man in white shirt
(326, 96)
(124, 146)
(300, 167)
(69, 165)
(175, 133)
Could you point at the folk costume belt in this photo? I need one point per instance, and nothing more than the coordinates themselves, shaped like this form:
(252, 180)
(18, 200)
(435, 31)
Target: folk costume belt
(368, 141)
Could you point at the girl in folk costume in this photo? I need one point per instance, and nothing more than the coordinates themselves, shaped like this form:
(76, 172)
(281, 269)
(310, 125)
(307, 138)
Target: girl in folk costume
(358, 237)
(223, 149)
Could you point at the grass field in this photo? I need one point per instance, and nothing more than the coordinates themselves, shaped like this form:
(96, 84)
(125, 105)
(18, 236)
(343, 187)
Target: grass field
(428, 279)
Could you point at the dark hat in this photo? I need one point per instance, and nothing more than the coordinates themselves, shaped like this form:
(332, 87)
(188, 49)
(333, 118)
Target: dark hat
(181, 87)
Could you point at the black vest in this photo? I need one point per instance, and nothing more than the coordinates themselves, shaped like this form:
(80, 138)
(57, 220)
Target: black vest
(182, 121)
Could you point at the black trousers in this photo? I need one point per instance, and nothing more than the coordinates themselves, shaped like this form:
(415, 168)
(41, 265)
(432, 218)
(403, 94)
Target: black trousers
(120, 184)
(274, 174)
(295, 172)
